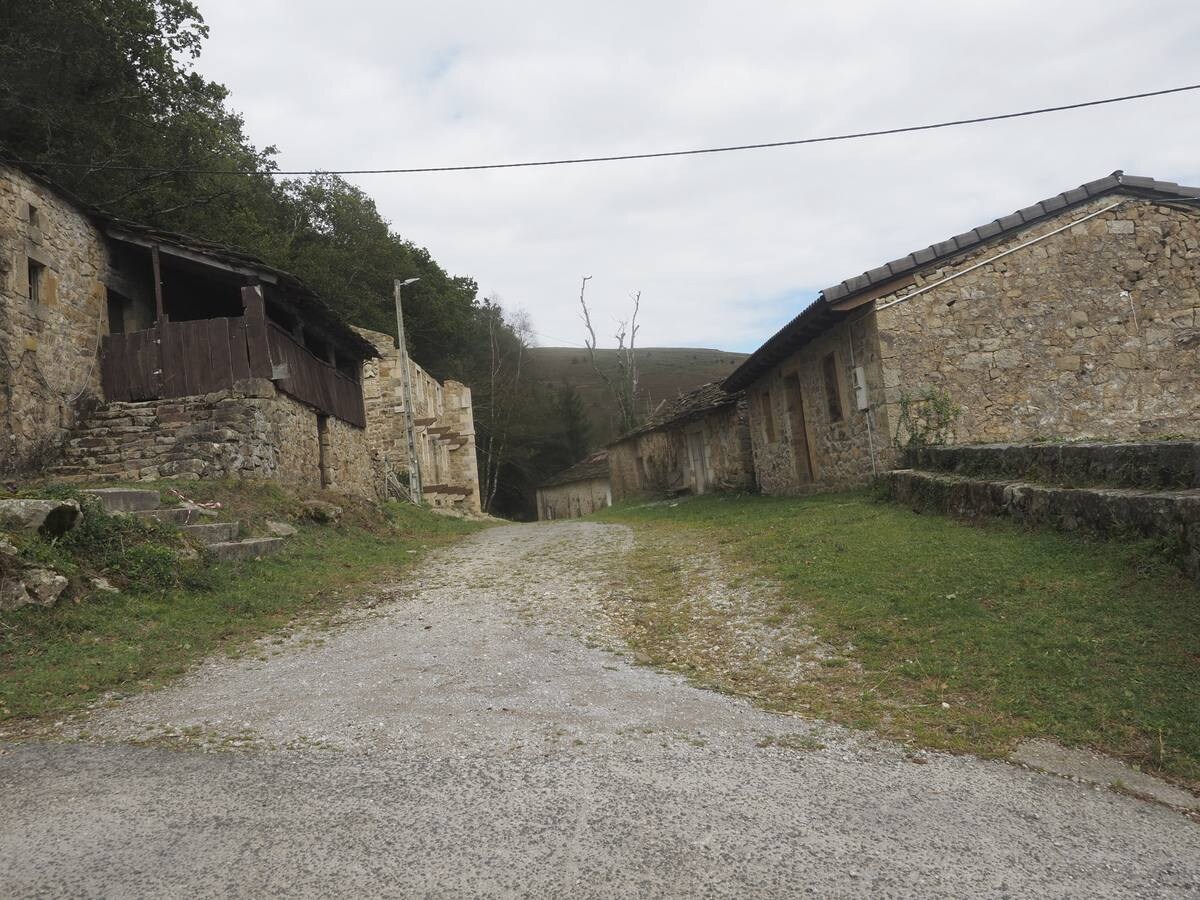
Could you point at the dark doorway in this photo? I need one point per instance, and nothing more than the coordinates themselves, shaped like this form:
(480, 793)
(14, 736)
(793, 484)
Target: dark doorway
(323, 450)
(117, 305)
(801, 452)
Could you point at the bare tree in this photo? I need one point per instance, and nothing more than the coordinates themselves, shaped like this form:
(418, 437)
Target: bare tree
(624, 386)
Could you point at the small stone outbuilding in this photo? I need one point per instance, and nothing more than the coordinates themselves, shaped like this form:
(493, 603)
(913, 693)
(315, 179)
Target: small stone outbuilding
(1077, 317)
(578, 491)
(696, 444)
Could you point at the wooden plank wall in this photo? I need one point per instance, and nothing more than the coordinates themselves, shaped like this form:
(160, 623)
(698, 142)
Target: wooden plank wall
(175, 359)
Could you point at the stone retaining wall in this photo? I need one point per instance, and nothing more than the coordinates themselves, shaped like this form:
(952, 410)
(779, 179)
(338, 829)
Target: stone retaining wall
(1159, 464)
(253, 431)
(1172, 517)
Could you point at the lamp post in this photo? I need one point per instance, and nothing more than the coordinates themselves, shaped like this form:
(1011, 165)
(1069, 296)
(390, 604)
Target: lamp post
(414, 464)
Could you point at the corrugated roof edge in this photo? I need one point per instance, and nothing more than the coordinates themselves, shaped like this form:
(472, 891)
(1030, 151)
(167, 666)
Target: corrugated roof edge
(591, 469)
(780, 343)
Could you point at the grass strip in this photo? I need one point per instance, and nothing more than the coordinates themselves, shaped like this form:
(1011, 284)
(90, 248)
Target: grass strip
(964, 636)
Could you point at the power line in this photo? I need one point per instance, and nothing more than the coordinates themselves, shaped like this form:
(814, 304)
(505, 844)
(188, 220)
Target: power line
(733, 148)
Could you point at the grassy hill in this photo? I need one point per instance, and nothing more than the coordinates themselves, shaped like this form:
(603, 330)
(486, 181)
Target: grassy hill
(663, 373)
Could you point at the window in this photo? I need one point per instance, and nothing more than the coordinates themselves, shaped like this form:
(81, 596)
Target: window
(35, 271)
(833, 387)
(768, 417)
(35, 217)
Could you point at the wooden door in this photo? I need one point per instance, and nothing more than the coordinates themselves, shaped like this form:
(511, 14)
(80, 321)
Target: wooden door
(801, 451)
(695, 443)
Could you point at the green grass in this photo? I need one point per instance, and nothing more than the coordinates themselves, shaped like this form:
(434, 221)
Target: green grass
(948, 634)
(54, 661)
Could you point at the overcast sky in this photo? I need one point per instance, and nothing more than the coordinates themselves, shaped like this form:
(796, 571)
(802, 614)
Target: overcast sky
(727, 248)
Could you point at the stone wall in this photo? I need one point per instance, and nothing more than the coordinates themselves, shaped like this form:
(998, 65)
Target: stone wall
(445, 427)
(570, 501)
(841, 453)
(660, 461)
(1092, 333)
(254, 431)
(48, 348)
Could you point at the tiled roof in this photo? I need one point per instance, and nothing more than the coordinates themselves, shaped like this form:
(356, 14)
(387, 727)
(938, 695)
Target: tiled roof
(591, 469)
(818, 315)
(689, 405)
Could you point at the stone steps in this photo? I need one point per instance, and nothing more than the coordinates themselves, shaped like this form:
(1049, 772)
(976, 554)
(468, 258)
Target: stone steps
(175, 515)
(247, 548)
(219, 538)
(1172, 516)
(211, 533)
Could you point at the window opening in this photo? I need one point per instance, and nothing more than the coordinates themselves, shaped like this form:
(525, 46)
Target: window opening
(35, 272)
(833, 387)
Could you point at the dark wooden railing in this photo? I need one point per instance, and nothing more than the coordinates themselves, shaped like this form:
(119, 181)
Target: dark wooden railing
(315, 381)
(184, 359)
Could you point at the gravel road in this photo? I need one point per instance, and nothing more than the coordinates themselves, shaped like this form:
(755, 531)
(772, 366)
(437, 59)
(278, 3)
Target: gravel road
(477, 730)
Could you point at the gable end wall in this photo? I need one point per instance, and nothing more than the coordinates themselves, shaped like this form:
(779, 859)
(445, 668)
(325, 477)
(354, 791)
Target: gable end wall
(1092, 333)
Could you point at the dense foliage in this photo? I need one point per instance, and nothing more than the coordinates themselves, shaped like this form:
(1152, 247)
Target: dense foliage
(102, 95)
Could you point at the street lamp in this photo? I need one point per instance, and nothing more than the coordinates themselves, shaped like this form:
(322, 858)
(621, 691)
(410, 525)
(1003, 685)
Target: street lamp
(414, 465)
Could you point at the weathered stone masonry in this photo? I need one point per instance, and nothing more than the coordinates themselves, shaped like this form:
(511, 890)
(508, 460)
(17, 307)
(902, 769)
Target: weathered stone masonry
(698, 444)
(445, 426)
(48, 343)
(1092, 333)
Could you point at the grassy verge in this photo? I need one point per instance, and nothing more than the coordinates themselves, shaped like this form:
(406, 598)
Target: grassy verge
(172, 611)
(947, 634)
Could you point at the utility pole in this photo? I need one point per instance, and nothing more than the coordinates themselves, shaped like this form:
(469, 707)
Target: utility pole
(414, 464)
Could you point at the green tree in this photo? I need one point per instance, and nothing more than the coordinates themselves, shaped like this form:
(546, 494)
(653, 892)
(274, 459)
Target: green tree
(103, 96)
(576, 431)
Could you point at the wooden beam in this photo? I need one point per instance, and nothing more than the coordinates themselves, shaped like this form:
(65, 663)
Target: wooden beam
(204, 259)
(159, 314)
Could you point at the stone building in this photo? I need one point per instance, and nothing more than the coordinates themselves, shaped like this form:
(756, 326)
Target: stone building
(444, 427)
(577, 491)
(139, 354)
(696, 444)
(1077, 317)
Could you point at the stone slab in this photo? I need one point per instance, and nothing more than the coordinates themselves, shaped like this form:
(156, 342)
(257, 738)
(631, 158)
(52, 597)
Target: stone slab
(116, 500)
(1095, 768)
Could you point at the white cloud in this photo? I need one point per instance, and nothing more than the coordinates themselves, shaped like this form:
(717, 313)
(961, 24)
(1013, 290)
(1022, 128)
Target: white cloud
(724, 248)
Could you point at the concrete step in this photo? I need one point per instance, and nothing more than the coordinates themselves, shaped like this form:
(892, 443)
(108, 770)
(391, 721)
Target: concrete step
(213, 532)
(1151, 465)
(1172, 516)
(250, 548)
(120, 500)
(176, 515)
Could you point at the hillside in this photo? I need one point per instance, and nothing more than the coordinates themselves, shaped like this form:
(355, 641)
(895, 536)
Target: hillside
(664, 372)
